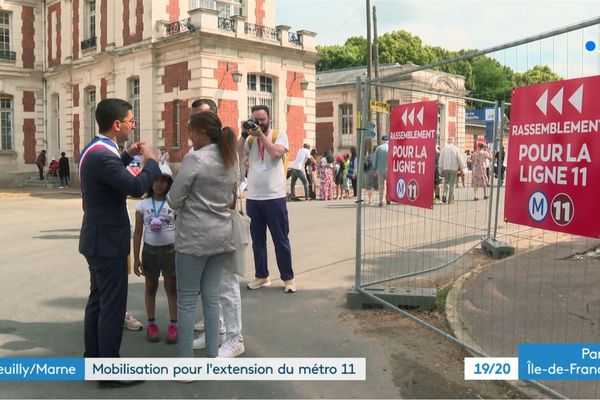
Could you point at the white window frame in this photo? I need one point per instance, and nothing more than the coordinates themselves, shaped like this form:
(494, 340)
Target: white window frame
(346, 125)
(6, 46)
(90, 18)
(261, 92)
(90, 112)
(134, 100)
(6, 123)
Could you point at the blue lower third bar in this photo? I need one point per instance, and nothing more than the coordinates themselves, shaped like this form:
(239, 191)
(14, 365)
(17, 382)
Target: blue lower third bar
(42, 369)
(559, 361)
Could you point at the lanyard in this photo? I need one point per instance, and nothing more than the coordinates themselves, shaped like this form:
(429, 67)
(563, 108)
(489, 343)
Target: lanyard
(261, 150)
(157, 213)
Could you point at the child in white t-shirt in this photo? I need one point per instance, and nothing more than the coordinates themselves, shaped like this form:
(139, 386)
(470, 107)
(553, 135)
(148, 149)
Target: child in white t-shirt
(155, 221)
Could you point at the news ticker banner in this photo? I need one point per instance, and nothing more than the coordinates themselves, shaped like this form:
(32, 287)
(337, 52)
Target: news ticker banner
(169, 369)
(537, 361)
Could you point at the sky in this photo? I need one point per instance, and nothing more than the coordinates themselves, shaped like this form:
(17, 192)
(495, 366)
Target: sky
(456, 25)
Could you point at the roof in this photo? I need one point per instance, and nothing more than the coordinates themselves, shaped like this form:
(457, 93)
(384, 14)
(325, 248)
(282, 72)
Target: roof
(348, 75)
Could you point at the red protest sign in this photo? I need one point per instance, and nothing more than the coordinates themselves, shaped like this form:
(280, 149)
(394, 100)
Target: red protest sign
(411, 154)
(553, 169)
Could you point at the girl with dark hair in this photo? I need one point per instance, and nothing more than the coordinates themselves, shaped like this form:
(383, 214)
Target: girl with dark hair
(155, 222)
(202, 194)
(352, 170)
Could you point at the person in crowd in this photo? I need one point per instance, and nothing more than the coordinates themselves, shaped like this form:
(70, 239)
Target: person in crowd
(164, 156)
(469, 158)
(296, 170)
(104, 239)
(380, 162)
(437, 180)
(499, 165)
(53, 167)
(230, 301)
(64, 171)
(480, 178)
(449, 163)
(339, 178)
(352, 170)
(310, 169)
(40, 162)
(201, 195)
(326, 168)
(155, 223)
(345, 181)
(265, 202)
(370, 177)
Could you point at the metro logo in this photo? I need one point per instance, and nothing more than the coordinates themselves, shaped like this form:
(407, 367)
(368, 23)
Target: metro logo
(576, 100)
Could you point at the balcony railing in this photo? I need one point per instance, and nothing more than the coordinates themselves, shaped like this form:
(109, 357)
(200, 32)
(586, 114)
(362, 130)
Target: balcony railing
(177, 27)
(294, 38)
(8, 55)
(88, 43)
(262, 31)
(227, 23)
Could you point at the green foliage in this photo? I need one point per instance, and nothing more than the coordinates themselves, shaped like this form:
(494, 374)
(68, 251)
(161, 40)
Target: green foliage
(485, 77)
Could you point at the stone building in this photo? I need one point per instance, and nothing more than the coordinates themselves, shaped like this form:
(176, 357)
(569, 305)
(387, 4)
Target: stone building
(336, 108)
(58, 58)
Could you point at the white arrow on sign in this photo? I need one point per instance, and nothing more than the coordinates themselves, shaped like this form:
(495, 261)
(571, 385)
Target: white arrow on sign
(411, 116)
(577, 99)
(542, 102)
(420, 115)
(404, 116)
(557, 101)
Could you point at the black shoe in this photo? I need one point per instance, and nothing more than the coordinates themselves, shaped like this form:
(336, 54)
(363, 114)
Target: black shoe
(443, 199)
(117, 384)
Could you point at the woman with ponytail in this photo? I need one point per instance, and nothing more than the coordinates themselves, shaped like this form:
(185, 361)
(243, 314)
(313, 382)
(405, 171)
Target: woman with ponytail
(201, 195)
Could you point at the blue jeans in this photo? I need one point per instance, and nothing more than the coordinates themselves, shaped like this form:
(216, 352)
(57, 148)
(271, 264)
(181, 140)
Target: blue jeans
(198, 274)
(274, 215)
(64, 180)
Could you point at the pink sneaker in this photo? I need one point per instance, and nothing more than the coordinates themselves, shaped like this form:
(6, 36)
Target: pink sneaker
(152, 333)
(172, 334)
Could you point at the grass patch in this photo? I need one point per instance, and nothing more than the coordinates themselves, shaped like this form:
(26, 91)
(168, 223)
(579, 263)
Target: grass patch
(441, 296)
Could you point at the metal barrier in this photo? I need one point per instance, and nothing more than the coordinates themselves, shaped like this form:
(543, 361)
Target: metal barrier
(408, 257)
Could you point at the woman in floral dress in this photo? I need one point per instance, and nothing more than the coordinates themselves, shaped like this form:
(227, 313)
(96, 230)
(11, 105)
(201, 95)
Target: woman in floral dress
(326, 167)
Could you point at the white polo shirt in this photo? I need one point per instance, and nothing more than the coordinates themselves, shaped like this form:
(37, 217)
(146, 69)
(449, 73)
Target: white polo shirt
(266, 179)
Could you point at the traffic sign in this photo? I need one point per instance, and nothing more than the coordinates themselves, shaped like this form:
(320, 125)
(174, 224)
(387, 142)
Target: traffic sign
(378, 106)
(553, 166)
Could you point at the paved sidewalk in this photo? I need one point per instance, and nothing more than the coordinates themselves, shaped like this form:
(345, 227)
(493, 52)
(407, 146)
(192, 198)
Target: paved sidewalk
(45, 285)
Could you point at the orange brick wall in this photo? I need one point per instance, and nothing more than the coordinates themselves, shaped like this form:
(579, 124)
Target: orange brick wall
(75, 33)
(28, 31)
(103, 24)
(293, 84)
(173, 10)
(176, 75)
(54, 8)
(103, 88)
(76, 95)
(452, 129)
(260, 12)
(295, 128)
(224, 77)
(176, 153)
(130, 37)
(452, 108)
(28, 101)
(229, 114)
(29, 140)
(325, 109)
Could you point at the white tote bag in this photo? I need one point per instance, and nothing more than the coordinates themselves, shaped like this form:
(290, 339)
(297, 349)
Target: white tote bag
(241, 240)
(240, 223)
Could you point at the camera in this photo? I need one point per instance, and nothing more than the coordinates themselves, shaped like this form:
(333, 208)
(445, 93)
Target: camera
(250, 124)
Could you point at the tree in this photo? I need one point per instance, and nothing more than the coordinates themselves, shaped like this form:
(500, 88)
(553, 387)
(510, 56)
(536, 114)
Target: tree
(538, 74)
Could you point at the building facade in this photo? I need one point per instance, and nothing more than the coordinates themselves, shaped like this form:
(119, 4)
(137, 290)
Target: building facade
(58, 58)
(336, 108)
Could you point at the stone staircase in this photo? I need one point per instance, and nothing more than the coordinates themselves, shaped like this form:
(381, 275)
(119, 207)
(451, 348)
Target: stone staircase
(35, 182)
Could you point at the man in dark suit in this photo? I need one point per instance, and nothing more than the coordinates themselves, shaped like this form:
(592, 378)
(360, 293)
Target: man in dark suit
(105, 230)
